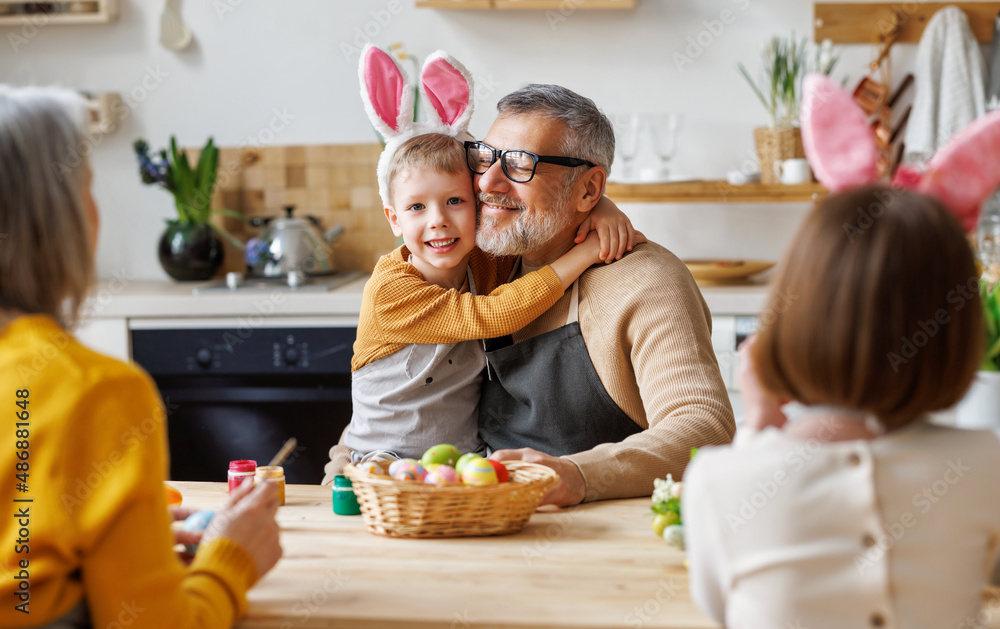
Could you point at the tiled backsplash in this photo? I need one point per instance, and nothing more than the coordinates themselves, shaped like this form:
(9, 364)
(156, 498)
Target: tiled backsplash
(335, 183)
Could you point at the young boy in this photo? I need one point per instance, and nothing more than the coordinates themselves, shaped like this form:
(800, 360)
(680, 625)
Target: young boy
(418, 360)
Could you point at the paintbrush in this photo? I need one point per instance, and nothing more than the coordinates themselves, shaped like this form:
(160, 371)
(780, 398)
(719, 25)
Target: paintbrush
(283, 453)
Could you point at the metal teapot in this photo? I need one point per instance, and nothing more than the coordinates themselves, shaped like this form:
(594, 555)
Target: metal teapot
(291, 246)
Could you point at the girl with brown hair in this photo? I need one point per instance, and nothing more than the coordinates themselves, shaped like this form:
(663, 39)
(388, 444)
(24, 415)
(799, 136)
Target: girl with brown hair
(860, 512)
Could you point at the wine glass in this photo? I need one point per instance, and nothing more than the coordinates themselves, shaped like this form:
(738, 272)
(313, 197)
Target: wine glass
(664, 128)
(627, 127)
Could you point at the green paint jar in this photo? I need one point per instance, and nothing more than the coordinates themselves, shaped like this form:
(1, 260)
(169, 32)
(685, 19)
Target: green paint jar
(344, 500)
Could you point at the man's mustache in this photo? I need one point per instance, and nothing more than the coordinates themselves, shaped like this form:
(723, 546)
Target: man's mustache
(498, 199)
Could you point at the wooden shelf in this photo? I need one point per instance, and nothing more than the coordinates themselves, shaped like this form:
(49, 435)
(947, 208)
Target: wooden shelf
(865, 23)
(533, 5)
(711, 191)
(65, 12)
(455, 4)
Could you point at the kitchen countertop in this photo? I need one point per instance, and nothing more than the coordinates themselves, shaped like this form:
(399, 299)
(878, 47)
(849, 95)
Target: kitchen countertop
(596, 565)
(159, 299)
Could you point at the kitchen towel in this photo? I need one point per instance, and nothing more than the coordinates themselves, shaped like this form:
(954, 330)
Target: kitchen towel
(950, 76)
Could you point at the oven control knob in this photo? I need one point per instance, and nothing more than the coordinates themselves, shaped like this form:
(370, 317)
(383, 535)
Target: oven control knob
(203, 357)
(291, 355)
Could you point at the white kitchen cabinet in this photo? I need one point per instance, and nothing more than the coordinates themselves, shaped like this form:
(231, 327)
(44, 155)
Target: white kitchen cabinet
(107, 336)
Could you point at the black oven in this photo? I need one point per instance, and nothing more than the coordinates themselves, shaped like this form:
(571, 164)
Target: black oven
(240, 393)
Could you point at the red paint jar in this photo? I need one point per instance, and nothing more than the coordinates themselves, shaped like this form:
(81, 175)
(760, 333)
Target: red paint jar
(241, 472)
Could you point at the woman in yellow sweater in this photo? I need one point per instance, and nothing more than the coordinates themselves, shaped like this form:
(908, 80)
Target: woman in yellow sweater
(83, 448)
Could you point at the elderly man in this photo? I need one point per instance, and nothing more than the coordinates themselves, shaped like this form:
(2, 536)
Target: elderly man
(615, 384)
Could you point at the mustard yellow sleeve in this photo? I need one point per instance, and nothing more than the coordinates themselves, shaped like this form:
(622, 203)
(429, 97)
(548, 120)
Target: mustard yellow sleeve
(408, 309)
(123, 528)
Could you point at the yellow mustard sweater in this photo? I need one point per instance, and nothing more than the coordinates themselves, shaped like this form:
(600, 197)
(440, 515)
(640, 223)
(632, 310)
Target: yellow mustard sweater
(93, 521)
(400, 307)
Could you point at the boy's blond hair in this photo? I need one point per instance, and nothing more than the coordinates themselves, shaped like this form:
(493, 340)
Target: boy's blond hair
(437, 151)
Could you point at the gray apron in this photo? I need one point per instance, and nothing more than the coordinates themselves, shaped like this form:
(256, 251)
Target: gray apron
(416, 398)
(544, 393)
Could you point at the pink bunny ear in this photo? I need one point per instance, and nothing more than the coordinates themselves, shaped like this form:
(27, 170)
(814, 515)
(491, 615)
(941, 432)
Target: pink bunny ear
(838, 143)
(448, 88)
(387, 96)
(966, 171)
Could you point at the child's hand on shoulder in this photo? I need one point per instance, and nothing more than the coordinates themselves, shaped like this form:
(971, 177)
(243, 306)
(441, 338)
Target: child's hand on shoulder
(613, 228)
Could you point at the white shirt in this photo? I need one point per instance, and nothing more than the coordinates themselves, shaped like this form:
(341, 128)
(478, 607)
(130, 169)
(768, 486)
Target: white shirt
(899, 531)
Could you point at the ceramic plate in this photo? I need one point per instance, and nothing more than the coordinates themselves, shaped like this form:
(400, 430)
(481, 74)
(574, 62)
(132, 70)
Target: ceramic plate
(719, 271)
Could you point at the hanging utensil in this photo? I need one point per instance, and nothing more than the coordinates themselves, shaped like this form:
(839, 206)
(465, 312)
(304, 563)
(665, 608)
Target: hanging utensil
(174, 33)
(870, 94)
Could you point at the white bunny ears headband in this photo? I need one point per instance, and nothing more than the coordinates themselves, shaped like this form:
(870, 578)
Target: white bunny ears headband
(841, 150)
(446, 87)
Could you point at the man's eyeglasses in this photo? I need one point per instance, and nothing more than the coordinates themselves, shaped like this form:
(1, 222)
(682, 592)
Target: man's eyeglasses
(518, 165)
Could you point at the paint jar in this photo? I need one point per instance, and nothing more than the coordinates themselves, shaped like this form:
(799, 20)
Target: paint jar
(344, 500)
(240, 472)
(274, 473)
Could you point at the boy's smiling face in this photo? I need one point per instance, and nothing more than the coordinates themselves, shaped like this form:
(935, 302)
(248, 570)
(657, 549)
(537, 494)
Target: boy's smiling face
(435, 213)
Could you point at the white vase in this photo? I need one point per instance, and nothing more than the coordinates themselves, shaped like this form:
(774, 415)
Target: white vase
(980, 408)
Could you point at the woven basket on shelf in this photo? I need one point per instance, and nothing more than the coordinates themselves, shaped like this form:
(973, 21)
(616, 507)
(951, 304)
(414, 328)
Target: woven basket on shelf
(775, 145)
(398, 509)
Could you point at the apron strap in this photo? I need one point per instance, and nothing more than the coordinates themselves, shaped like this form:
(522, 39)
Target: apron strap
(472, 280)
(574, 304)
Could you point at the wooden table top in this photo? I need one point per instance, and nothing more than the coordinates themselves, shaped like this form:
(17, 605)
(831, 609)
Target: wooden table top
(597, 565)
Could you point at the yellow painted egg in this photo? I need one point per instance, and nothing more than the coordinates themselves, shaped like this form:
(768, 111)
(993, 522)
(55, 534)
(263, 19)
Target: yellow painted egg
(479, 472)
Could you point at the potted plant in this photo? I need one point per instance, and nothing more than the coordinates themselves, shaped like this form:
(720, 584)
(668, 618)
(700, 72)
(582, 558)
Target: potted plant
(189, 249)
(980, 408)
(785, 62)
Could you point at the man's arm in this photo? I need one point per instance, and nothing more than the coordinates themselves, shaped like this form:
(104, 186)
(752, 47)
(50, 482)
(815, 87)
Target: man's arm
(649, 336)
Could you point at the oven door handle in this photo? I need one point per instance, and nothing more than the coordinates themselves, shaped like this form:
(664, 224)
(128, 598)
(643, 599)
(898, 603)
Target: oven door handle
(240, 395)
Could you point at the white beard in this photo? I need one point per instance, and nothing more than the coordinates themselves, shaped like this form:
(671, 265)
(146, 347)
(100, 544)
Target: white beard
(531, 231)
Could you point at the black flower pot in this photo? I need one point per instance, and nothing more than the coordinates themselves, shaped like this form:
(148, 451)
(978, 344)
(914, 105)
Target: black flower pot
(190, 252)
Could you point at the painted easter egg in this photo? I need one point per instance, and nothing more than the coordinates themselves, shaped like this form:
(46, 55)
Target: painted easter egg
(502, 474)
(674, 535)
(371, 467)
(662, 520)
(443, 475)
(409, 471)
(479, 472)
(675, 489)
(197, 522)
(464, 460)
(395, 465)
(443, 454)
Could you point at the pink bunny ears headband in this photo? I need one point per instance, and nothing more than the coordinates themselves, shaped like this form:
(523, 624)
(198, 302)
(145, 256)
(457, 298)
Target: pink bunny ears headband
(841, 150)
(446, 87)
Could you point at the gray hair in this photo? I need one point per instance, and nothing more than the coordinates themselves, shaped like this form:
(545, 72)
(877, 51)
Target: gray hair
(591, 135)
(46, 261)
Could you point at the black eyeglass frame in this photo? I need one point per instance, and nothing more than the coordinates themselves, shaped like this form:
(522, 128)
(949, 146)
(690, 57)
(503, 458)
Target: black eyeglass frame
(498, 154)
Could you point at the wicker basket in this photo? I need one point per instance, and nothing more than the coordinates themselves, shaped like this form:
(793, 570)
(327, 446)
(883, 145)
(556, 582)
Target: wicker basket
(776, 145)
(399, 509)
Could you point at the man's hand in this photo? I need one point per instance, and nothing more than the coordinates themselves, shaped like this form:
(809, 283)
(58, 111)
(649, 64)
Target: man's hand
(571, 489)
